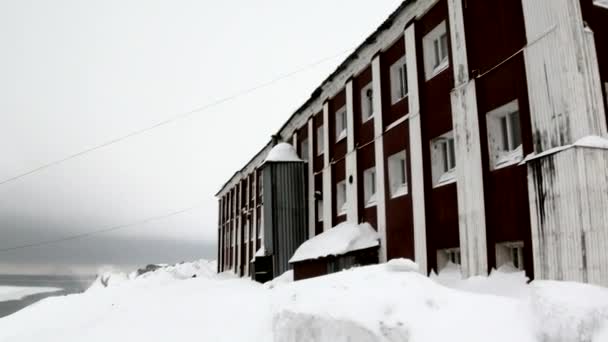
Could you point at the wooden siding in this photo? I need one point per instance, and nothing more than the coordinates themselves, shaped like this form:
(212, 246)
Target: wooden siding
(399, 216)
(436, 119)
(364, 131)
(366, 159)
(392, 112)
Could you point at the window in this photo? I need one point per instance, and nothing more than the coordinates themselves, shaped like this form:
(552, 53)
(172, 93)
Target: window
(447, 256)
(260, 185)
(435, 45)
(510, 253)
(341, 204)
(443, 160)
(397, 174)
(304, 149)
(367, 102)
(341, 124)
(504, 136)
(320, 140)
(320, 210)
(606, 91)
(369, 187)
(398, 72)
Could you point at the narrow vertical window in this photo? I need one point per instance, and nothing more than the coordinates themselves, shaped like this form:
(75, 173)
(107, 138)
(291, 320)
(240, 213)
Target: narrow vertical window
(369, 186)
(435, 45)
(443, 159)
(398, 78)
(504, 135)
(397, 174)
(341, 203)
(341, 124)
(320, 140)
(367, 102)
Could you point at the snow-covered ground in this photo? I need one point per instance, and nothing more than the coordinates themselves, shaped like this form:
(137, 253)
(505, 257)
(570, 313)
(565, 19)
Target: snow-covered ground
(19, 292)
(389, 302)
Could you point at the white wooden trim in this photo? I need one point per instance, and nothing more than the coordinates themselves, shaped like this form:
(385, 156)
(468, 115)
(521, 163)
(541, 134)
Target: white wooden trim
(311, 181)
(467, 146)
(564, 90)
(351, 158)
(379, 149)
(294, 140)
(397, 122)
(416, 152)
(327, 185)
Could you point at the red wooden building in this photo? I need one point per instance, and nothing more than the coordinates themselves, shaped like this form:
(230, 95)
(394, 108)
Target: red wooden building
(457, 130)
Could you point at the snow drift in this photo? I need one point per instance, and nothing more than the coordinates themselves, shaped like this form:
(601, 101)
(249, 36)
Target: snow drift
(388, 302)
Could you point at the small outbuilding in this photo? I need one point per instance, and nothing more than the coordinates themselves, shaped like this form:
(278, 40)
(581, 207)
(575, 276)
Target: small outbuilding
(342, 247)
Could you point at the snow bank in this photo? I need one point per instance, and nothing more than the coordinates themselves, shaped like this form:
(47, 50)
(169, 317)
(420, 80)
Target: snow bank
(507, 281)
(343, 238)
(283, 152)
(19, 292)
(567, 311)
(389, 302)
(156, 273)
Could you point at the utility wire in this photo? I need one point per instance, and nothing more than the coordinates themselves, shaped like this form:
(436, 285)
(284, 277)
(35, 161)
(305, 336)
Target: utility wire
(100, 231)
(172, 119)
(136, 133)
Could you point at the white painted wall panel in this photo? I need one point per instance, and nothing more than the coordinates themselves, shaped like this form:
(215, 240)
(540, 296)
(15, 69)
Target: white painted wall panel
(569, 197)
(561, 68)
(469, 172)
(379, 150)
(352, 214)
(469, 186)
(311, 181)
(327, 186)
(415, 152)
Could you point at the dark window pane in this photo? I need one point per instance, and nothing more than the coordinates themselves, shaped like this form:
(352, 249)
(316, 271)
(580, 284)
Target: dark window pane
(515, 130)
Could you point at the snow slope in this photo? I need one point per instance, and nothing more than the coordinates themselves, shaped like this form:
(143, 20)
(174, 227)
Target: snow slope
(389, 302)
(18, 292)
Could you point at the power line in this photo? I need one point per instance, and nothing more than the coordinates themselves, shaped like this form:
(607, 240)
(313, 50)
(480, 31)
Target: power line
(170, 120)
(100, 231)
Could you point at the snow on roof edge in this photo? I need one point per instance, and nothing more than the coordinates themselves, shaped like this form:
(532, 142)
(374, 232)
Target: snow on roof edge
(339, 240)
(283, 152)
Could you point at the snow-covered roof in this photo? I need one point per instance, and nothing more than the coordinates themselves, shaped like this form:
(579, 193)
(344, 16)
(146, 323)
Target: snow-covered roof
(342, 239)
(283, 152)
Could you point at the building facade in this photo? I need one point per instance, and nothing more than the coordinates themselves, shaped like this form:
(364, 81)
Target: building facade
(461, 130)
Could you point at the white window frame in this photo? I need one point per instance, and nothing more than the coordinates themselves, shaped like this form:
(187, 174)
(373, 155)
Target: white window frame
(320, 140)
(445, 256)
(369, 187)
(500, 128)
(606, 93)
(319, 210)
(398, 78)
(341, 200)
(261, 185)
(443, 159)
(304, 148)
(367, 102)
(510, 253)
(436, 54)
(341, 123)
(397, 174)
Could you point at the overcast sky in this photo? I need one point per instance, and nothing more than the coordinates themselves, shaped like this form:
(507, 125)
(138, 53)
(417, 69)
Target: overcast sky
(75, 74)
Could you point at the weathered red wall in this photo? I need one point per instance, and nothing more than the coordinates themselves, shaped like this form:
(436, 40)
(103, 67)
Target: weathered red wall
(399, 217)
(436, 119)
(495, 32)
